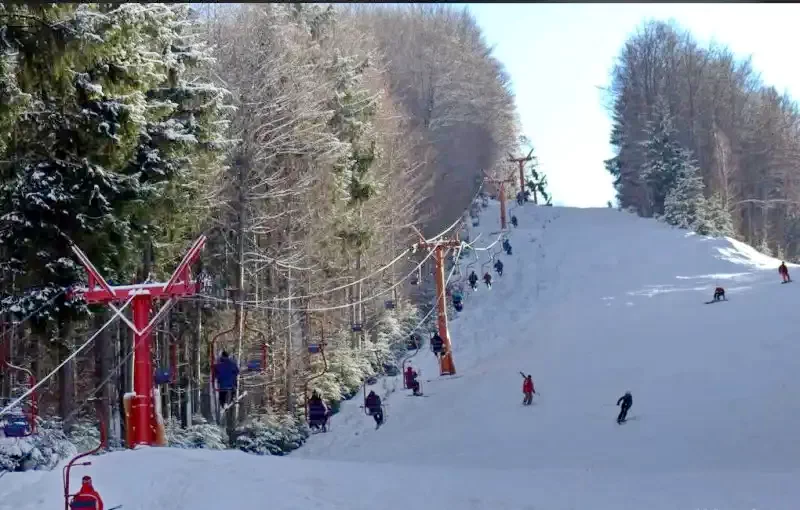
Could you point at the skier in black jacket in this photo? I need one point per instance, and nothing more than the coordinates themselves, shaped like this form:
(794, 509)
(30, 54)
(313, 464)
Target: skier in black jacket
(627, 401)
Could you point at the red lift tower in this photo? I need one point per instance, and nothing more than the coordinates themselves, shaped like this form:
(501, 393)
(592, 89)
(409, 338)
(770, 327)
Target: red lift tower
(439, 247)
(143, 414)
(521, 162)
(502, 192)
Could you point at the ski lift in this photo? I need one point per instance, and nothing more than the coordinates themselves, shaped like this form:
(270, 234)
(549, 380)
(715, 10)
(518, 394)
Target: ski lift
(23, 423)
(316, 348)
(357, 328)
(389, 304)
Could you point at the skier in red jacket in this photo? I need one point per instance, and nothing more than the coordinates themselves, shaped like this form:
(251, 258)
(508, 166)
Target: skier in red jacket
(87, 497)
(527, 389)
(784, 272)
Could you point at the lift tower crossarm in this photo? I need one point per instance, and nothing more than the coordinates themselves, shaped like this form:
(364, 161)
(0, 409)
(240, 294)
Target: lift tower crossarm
(440, 246)
(521, 162)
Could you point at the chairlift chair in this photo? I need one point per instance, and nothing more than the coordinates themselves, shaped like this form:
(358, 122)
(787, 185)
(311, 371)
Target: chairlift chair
(22, 423)
(357, 327)
(389, 304)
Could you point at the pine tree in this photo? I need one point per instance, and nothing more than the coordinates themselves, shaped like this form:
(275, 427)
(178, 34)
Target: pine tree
(108, 143)
(719, 218)
(685, 204)
(664, 157)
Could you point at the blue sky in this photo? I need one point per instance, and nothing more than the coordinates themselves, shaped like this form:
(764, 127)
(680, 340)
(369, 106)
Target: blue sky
(558, 55)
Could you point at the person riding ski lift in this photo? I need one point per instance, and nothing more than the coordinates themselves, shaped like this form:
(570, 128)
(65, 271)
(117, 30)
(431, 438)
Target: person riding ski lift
(784, 272)
(411, 381)
(498, 266)
(719, 294)
(514, 221)
(226, 372)
(317, 413)
(437, 344)
(487, 279)
(527, 389)
(87, 497)
(627, 401)
(507, 246)
(458, 300)
(473, 280)
(374, 408)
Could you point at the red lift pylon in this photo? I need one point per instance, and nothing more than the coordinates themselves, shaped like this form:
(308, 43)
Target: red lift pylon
(502, 192)
(446, 364)
(143, 414)
(521, 162)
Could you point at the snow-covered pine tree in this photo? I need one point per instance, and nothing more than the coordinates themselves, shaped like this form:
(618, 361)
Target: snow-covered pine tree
(664, 158)
(109, 137)
(685, 205)
(719, 218)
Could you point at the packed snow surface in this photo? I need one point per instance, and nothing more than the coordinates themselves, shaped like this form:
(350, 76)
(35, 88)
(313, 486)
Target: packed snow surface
(593, 302)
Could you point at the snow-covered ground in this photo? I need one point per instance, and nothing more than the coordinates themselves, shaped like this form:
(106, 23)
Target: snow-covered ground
(593, 302)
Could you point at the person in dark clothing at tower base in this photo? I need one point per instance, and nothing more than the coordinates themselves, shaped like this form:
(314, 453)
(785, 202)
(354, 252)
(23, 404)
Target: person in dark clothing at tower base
(627, 401)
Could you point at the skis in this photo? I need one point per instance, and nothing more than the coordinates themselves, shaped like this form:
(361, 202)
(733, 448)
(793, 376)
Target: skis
(715, 301)
(789, 281)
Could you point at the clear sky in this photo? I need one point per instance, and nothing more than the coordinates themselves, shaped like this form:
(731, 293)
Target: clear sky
(559, 55)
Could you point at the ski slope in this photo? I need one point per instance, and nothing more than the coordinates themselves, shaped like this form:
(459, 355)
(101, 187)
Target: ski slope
(593, 302)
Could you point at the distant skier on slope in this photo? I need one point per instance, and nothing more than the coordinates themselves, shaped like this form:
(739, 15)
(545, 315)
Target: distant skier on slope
(487, 279)
(784, 272)
(514, 221)
(627, 401)
(473, 280)
(527, 389)
(719, 294)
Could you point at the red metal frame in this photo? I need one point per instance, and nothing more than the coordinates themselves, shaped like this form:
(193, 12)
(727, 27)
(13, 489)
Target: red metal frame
(66, 470)
(99, 291)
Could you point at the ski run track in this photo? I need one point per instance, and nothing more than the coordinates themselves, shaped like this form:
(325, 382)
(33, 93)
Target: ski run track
(593, 302)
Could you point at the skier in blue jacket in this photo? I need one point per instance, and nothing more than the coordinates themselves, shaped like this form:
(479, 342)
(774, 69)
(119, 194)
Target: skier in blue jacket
(226, 372)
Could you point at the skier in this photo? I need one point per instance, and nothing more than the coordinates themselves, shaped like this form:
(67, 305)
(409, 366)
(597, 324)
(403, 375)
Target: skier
(514, 221)
(87, 497)
(411, 381)
(784, 272)
(436, 344)
(374, 408)
(226, 372)
(507, 246)
(527, 389)
(458, 300)
(473, 280)
(719, 293)
(627, 401)
(317, 413)
(520, 198)
(498, 266)
(487, 279)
